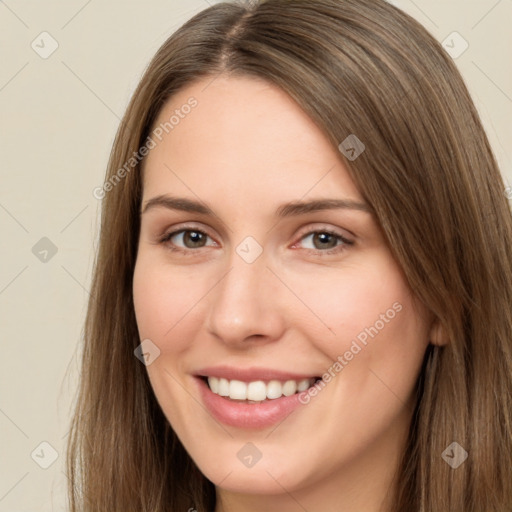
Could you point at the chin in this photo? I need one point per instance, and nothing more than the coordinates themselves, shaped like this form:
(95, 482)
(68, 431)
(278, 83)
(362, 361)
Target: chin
(255, 480)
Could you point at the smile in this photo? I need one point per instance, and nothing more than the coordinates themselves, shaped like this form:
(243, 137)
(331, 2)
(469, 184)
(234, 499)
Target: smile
(253, 398)
(257, 391)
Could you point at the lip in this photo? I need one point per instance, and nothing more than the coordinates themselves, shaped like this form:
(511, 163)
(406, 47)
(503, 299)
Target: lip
(251, 374)
(243, 415)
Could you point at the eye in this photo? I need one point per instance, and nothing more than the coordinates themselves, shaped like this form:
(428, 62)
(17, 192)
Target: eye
(184, 239)
(326, 241)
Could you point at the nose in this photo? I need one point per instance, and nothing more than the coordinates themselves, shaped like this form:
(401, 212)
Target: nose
(244, 305)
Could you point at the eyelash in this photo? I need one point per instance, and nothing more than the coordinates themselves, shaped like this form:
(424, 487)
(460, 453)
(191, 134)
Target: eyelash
(165, 239)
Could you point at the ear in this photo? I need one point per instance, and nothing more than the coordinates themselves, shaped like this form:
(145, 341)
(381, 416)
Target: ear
(437, 334)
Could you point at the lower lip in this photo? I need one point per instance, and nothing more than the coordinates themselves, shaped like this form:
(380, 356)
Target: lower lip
(243, 415)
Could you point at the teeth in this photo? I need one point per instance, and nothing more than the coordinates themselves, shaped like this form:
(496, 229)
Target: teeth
(214, 384)
(274, 389)
(290, 387)
(255, 390)
(223, 389)
(303, 385)
(237, 390)
(258, 390)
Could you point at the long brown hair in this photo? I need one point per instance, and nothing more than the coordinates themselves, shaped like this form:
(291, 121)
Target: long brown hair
(358, 67)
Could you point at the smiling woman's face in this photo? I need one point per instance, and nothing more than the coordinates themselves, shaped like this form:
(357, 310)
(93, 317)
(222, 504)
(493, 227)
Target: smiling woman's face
(254, 292)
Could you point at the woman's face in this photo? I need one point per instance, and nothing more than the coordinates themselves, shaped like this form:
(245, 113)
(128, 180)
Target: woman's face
(263, 294)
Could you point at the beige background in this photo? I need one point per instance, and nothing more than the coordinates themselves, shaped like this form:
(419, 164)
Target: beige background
(58, 117)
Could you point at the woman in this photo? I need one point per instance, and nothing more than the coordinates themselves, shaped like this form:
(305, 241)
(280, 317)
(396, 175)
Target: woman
(302, 293)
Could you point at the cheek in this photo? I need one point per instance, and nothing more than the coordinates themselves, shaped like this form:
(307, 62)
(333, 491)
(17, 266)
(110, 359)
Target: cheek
(379, 331)
(163, 297)
(164, 300)
(361, 301)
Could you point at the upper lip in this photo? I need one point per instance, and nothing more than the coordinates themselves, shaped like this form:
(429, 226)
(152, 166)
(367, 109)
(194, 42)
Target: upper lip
(251, 374)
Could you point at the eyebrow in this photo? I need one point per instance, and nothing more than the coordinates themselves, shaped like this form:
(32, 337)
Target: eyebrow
(285, 210)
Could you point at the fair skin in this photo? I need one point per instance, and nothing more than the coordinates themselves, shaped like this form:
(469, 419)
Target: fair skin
(245, 150)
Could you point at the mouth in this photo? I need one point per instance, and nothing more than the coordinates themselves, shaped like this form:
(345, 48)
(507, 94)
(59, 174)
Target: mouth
(253, 398)
(257, 391)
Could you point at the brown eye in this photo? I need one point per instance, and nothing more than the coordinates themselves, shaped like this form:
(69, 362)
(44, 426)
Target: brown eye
(193, 239)
(185, 239)
(324, 241)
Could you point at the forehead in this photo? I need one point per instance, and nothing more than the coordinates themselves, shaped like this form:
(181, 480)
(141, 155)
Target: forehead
(242, 135)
